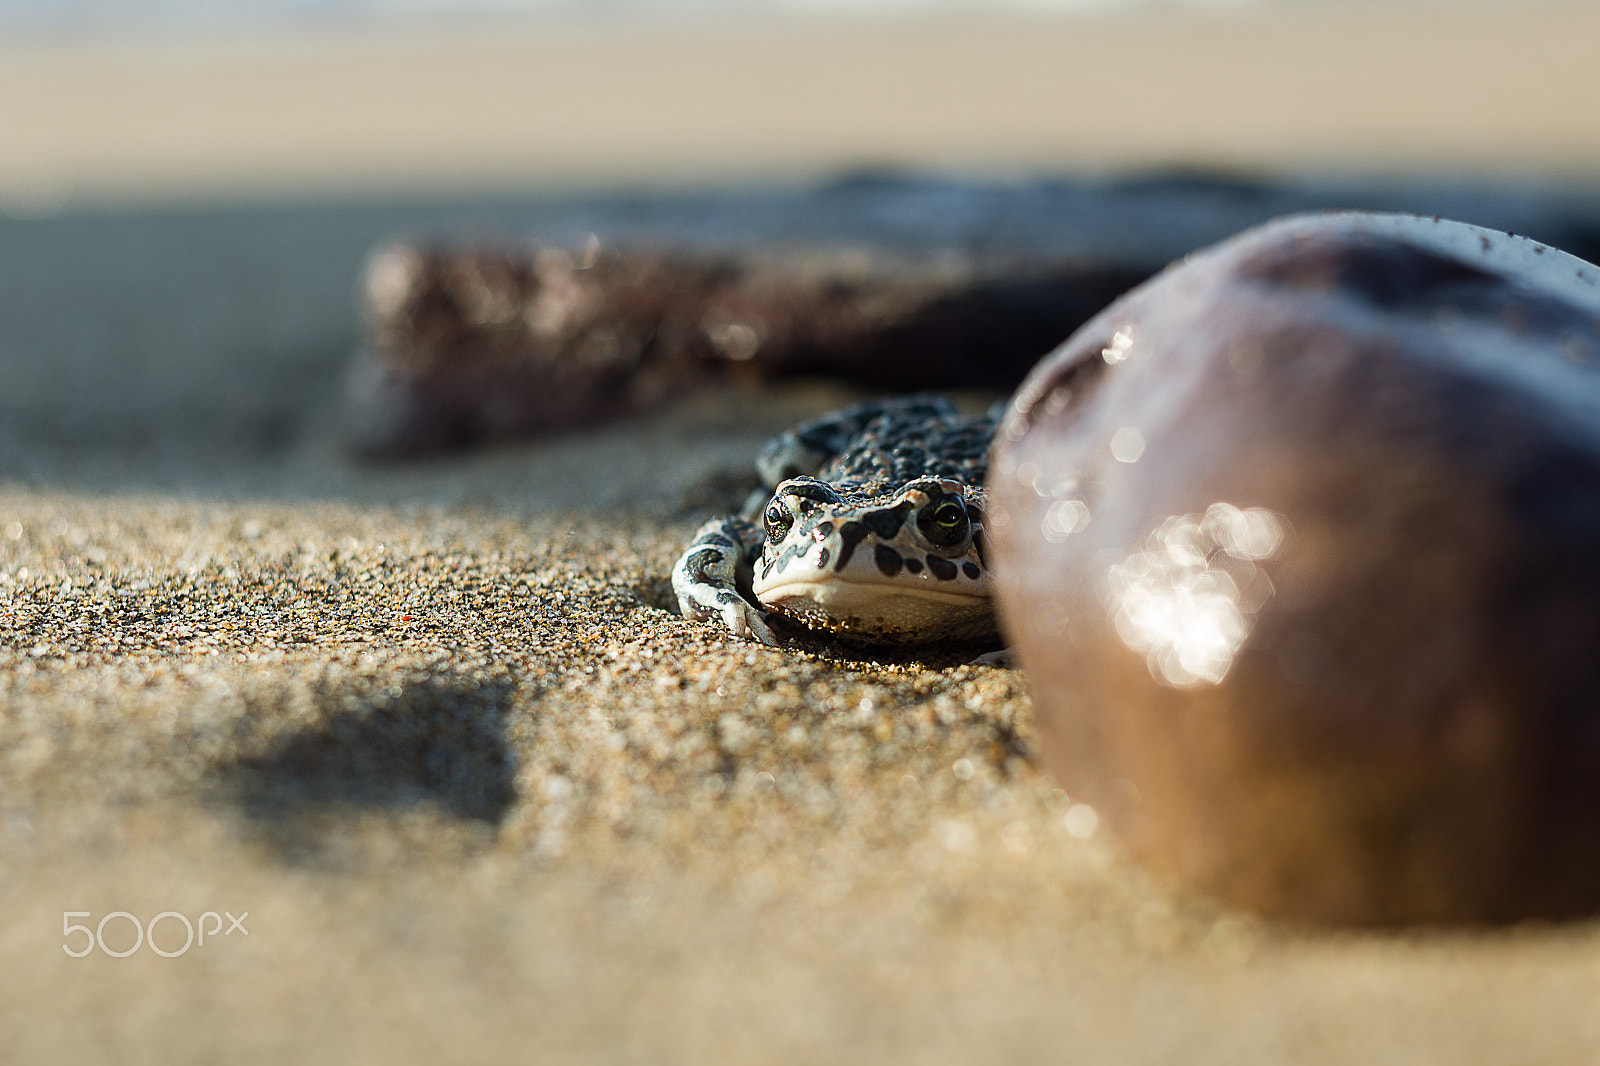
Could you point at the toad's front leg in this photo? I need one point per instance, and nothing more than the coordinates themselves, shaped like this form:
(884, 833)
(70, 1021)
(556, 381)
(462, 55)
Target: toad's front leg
(712, 577)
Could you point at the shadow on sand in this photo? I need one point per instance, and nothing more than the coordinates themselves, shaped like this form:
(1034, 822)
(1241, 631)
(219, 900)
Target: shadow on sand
(438, 743)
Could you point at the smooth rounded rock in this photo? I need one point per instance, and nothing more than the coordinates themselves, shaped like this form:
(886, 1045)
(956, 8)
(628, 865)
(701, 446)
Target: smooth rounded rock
(1299, 546)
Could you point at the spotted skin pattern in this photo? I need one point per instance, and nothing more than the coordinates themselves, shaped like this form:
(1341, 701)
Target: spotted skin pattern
(873, 531)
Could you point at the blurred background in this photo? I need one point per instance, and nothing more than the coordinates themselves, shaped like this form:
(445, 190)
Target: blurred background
(174, 99)
(189, 190)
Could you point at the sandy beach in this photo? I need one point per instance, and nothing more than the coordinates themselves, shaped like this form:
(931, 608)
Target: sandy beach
(438, 728)
(481, 794)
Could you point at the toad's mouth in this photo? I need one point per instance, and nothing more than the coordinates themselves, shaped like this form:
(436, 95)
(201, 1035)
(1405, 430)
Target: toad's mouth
(881, 610)
(830, 589)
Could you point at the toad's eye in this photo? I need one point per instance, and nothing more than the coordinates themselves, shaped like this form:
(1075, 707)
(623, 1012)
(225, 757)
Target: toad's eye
(944, 525)
(777, 521)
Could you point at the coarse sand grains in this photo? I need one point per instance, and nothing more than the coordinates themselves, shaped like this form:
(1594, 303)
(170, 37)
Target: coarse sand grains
(480, 789)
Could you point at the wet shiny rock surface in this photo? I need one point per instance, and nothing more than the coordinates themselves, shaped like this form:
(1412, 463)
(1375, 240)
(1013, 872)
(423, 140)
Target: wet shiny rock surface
(1299, 545)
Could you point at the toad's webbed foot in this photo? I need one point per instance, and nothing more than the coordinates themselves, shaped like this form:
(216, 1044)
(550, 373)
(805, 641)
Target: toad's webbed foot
(711, 575)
